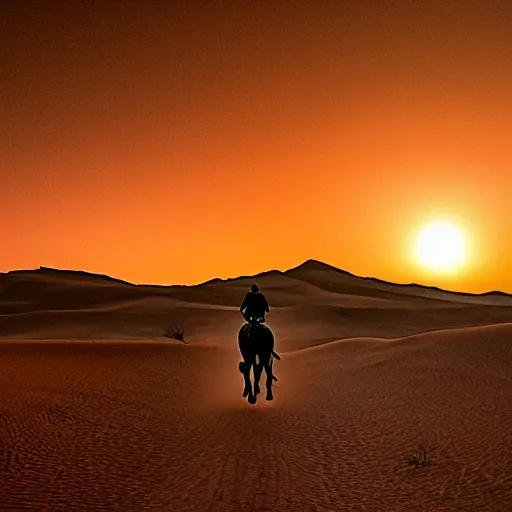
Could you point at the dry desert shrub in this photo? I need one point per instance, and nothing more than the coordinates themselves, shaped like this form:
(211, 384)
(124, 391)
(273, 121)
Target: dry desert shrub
(175, 332)
(419, 458)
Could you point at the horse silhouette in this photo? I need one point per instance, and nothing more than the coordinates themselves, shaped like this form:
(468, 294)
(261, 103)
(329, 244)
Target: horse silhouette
(256, 343)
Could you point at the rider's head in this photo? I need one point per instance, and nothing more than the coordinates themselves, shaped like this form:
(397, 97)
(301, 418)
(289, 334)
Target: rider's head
(255, 288)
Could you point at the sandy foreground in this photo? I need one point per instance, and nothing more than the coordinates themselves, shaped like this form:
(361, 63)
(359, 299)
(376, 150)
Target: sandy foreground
(148, 423)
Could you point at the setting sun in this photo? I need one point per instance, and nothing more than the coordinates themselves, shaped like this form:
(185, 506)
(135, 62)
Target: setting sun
(441, 247)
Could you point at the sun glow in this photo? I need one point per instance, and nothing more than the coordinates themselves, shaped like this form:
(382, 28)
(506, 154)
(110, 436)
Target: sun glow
(441, 246)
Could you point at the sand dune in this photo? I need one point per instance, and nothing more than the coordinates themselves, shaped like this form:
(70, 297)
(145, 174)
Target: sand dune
(98, 412)
(311, 304)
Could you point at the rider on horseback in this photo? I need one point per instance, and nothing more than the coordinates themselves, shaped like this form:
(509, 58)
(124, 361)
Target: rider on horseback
(254, 305)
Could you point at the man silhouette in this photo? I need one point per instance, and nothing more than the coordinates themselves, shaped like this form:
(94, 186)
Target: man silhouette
(254, 305)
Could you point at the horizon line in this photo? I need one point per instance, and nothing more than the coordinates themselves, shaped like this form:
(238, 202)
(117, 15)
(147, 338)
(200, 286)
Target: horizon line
(309, 261)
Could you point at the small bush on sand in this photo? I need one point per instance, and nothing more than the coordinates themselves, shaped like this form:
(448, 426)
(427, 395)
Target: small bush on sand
(419, 458)
(175, 332)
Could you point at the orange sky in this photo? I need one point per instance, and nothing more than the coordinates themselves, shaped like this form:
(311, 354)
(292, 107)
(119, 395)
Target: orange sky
(166, 144)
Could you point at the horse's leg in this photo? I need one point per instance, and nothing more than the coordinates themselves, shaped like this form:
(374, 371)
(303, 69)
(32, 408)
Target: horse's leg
(258, 369)
(252, 395)
(268, 371)
(245, 369)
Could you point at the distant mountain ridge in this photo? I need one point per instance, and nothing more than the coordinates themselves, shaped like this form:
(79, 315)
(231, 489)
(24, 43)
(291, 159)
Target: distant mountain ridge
(80, 273)
(318, 265)
(307, 267)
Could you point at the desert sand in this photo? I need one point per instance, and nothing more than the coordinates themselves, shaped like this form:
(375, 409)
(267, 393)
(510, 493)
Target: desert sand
(100, 412)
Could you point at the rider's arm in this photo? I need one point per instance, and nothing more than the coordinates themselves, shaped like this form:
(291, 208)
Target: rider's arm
(267, 308)
(244, 304)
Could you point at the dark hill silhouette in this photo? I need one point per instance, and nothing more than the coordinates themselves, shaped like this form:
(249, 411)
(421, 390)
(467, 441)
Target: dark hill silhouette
(338, 280)
(311, 271)
(75, 274)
